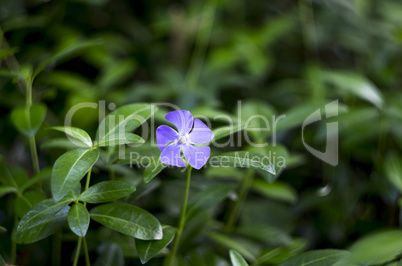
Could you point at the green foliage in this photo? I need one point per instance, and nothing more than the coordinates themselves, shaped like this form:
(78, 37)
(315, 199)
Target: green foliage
(254, 72)
(106, 191)
(147, 249)
(28, 119)
(129, 220)
(317, 258)
(70, 168)
(237, 259)
(78, 219)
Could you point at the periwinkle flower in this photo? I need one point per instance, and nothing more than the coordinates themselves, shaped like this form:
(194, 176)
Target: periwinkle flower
(190, 132)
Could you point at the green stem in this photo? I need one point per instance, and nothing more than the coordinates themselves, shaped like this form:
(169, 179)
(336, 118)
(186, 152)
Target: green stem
(77, 254)
(182, 221)
(235, 210)
(88, 180)
(88, 263)
(80, 239)
(34, 155)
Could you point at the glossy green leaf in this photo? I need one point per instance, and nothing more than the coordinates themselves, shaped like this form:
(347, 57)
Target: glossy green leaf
(2, 229)
(129, 220)
(70, 168)
(28, 121)
(77, 134)
(122, 138)
(4, 190)
(323, 257)
(106, 191)
(43, 229)
(40, 213)
(277, 190)
(153, 169)
(123, 120)
(376, 248)
(64, 52)
(237, 259)
(78, 219)
(147, 249)
(243, 159)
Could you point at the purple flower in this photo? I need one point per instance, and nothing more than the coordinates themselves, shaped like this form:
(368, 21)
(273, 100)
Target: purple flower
(189, 132)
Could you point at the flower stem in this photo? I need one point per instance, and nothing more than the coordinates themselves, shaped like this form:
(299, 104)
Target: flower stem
(182, 221)
(82, 239)
(88, 263)
(77, 254)
(235, 210)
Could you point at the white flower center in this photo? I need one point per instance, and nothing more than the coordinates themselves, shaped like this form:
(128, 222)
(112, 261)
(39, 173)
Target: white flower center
(183, 140)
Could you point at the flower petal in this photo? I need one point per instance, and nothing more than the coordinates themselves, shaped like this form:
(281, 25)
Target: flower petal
(171, 156)
(197, 157)
(165, 135)
(201, 133)
(182, 119)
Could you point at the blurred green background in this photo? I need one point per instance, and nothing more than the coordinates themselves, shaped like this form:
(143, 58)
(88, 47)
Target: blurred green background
(277, 57)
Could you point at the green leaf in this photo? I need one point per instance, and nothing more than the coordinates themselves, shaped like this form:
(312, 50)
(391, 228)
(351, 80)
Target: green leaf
(123, 120)
(42, 230)
(153, 169)
(76, 133)
(78, 219)
(129, 220)
(354, 83)
(323, 257)
(122, 138)
(7, 189)
(64, 52)
(2, 229)
(237, 259)
(40, 213)
(28, 121)
(106, 191)
(147, 249)
(376, 248)
(243, 159)
(278, 190)
(70, 168)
